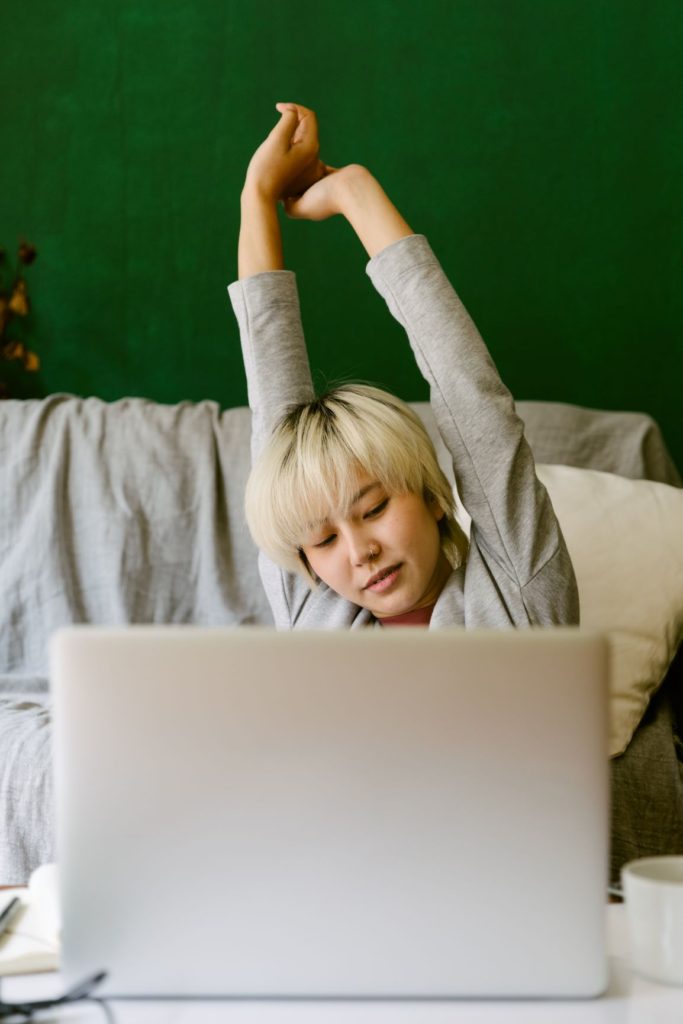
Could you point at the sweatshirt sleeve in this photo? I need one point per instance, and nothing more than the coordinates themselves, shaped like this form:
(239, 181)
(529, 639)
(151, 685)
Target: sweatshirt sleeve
(513, 520)
(273, 348)
(278, 375)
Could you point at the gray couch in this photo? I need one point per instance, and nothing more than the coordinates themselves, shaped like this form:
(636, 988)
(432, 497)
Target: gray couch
(131, 512)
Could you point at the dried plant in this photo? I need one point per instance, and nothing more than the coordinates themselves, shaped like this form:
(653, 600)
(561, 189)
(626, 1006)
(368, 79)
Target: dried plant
(14, 302)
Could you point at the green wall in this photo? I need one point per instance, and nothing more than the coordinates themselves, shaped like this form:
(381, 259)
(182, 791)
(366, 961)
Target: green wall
(537, 143)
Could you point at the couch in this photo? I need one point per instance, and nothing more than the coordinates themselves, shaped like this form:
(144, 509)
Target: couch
(131, 512)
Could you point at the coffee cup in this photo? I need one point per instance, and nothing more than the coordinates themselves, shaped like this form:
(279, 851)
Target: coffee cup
(653, 890)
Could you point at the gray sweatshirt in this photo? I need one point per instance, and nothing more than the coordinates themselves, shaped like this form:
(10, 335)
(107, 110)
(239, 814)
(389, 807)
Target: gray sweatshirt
(518, 571)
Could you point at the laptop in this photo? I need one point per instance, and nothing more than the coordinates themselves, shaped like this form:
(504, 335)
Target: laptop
(366, 814)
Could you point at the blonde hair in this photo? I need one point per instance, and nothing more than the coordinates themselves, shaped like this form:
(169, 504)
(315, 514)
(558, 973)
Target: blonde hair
(311, 463)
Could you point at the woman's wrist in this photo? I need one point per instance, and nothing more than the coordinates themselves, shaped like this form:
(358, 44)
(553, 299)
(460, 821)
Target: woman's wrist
(260, 240)
(349, 183)
(364, 203)
(256, 192)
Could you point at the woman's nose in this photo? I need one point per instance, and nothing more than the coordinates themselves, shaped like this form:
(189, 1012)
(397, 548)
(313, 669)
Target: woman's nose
(363, 549)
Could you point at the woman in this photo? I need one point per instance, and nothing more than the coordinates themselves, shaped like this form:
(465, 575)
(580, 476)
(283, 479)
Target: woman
(354, 518)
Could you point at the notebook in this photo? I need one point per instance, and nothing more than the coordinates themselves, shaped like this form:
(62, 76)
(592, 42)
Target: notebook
(31, 942)
(361, 814)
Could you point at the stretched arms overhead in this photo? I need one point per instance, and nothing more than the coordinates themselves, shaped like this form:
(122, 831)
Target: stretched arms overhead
(518, 571)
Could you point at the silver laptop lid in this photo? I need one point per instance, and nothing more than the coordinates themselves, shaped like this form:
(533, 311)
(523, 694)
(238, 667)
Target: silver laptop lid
(380, 813)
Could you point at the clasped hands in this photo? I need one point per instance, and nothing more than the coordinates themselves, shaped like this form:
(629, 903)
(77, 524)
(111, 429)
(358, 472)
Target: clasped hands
(287, 168)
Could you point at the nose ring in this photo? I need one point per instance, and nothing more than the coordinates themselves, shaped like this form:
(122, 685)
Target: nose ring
(372, 552)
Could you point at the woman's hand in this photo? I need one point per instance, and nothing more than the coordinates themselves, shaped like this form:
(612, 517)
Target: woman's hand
(286, 163)
(287, 167)
(358, 196)
(322, 197)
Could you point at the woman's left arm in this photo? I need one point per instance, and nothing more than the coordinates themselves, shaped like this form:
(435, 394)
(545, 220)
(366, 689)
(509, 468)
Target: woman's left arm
(513, 521)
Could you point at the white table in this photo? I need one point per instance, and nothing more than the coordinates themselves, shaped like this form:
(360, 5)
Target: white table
(629, 1000)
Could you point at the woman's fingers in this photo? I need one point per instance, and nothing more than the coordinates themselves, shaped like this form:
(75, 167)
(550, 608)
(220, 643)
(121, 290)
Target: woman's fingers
(312, 172)
(305, 127)
(291, 207)
(285, 128)
(286, 162)
(316, 203)
(301, 209)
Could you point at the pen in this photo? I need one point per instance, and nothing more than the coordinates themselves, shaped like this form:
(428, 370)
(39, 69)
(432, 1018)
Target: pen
(9, 913)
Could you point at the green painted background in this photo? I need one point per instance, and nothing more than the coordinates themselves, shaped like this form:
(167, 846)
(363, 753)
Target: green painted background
(537, 143)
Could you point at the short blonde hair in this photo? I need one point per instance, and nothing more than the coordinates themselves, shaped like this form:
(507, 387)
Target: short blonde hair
(311, 463)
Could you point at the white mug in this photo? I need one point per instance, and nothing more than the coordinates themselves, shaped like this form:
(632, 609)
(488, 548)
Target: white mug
(653, 890)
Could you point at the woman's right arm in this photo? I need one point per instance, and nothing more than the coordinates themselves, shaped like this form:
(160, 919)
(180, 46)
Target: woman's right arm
(266, 304)
(265, 298)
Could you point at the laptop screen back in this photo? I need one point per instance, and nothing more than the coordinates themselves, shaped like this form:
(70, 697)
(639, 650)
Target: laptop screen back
(397, 813)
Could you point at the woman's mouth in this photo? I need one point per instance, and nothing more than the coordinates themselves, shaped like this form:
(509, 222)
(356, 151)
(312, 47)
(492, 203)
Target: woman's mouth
(383, 580)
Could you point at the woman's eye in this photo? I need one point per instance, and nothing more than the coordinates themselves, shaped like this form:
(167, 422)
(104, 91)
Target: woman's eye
(326, 542)
(377, 509)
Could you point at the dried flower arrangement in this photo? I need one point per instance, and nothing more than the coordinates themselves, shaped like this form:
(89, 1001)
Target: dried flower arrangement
(14, 302)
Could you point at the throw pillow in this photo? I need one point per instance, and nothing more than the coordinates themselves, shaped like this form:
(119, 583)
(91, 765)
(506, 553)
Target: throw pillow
(625, 538)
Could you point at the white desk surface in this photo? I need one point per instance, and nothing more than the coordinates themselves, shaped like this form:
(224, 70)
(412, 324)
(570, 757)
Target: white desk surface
(629, 1000)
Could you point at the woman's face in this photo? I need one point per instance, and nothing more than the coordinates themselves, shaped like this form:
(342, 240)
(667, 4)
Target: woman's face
(384, 554)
